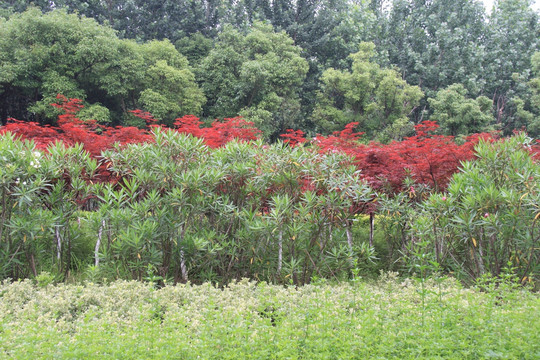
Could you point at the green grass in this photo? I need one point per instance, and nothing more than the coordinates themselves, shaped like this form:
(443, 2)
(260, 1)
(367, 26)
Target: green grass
(383, 319)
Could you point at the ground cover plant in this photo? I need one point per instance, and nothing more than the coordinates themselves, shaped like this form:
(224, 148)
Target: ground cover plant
(348, 320)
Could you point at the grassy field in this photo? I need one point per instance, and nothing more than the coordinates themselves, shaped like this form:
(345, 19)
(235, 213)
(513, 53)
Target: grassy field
(389, 318)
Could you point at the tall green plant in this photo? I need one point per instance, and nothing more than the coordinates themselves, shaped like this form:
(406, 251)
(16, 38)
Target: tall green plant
(490, 215)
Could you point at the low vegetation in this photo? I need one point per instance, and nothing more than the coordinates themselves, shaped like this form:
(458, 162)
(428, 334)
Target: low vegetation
(389, 318)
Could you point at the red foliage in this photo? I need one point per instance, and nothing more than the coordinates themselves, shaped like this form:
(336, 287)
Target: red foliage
(219, 133)
(535, 149)
(146, 116)
(189, 124)
(42, 135)
(293, 137)
(345, 140)
(72, 130)
(430, 159)
(69, 107)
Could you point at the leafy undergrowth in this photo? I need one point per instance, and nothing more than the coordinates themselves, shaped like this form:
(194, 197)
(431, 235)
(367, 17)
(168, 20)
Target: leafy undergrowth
(356, 320)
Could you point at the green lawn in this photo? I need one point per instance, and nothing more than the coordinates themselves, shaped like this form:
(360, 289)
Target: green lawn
(361, 320)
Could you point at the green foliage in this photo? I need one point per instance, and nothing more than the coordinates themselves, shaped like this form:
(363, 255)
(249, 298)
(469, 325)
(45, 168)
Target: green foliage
(249, 320)
(195, 47)
(534, 123)
(181, 211)
(95, 112)
(432, 45)
(257, 75)
(437, 43)
(373, 96)
(458, 115)
(38, 227)
(489, 217)
(43, 55)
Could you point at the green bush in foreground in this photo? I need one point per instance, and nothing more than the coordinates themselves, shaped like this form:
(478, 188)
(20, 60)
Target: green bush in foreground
(245, 320)
(488, 219)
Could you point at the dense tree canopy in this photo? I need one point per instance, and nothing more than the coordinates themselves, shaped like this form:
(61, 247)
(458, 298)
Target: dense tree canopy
(280, 63)
(534, 124)
(42, 55)
(459, 115)
(375, 97)
(257, 75)
(436, 43)
(513, 35)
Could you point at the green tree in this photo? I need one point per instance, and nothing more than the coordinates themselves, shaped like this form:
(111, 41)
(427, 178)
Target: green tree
(459, 115)
(42, 55)
(513, 35)
(488, 218)
(373, 96)
(143, 20)
(169, 88)
(534, 123)
(437, 43)
(195, 47)
(257, 75)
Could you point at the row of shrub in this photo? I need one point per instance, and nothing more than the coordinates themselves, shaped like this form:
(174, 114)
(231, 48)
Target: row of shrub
(177, 210)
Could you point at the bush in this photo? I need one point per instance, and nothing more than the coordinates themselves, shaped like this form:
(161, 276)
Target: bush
(489, 217)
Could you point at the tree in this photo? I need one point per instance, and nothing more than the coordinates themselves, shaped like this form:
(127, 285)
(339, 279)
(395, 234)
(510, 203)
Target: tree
(169, 85)
(512, 36)
(437, 43)
(488, 217)
(42, 55)
(458, 115)
(257, 75)
(195, 47)
(373, 96)
(534, 123)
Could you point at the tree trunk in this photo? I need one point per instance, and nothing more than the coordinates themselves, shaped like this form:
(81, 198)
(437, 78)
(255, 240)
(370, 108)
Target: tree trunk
(280, 251)
(371, 228)
(98, 243)
(183, 267)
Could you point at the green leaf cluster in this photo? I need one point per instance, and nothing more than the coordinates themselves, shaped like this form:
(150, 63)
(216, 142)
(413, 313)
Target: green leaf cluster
(373, 96)
(257, 75)
(489, 217)
(42, 55)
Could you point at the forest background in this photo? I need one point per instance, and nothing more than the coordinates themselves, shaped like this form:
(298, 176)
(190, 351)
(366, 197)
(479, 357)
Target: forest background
(312, 65)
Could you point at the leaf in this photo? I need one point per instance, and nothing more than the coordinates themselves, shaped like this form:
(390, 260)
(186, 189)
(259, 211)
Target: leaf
(474, 242)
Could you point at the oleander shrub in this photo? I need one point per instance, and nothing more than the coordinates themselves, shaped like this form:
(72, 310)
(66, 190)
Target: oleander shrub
(489, 218)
